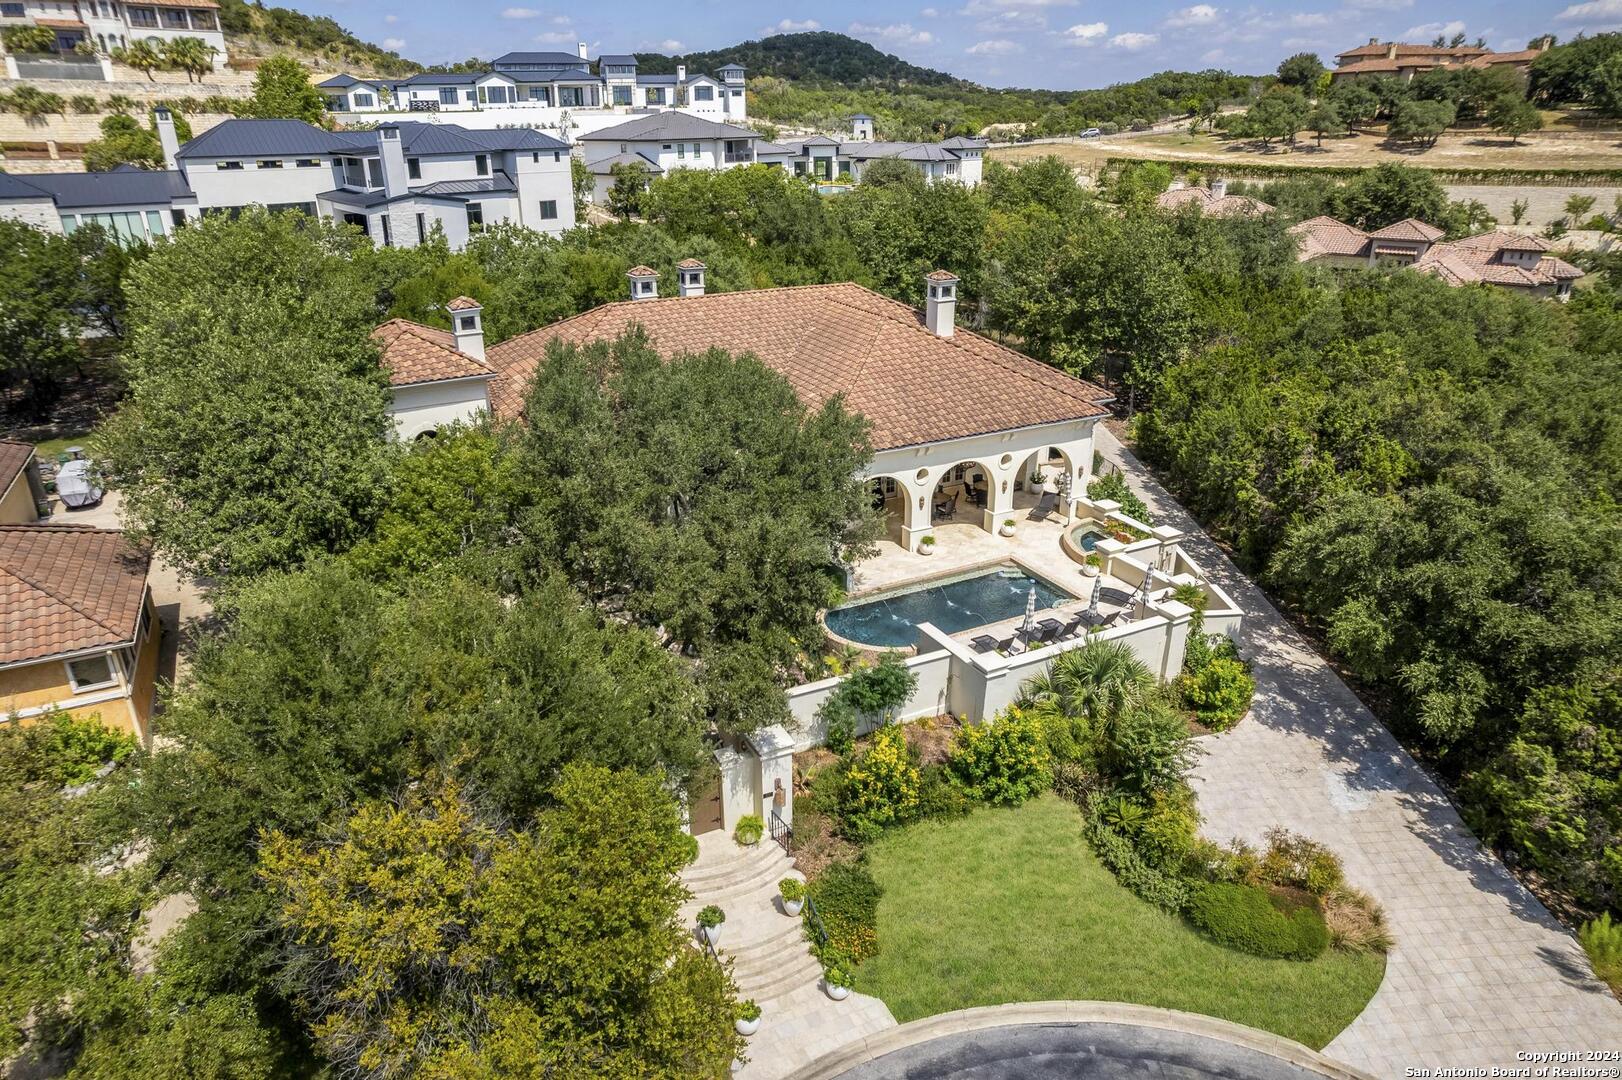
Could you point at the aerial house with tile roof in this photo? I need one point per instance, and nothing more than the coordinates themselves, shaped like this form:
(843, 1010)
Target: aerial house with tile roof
(78, 632)
(956, 418)
(436, 377)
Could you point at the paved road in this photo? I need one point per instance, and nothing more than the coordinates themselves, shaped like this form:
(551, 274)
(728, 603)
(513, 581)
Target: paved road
(1481, 971)
(1077, 1052)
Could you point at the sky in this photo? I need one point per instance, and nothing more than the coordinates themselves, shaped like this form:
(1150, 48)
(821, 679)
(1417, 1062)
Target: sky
(1058, 44)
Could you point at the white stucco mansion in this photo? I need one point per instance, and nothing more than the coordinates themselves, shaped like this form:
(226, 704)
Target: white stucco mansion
(558, 91)
(100, 26)
(397, 182)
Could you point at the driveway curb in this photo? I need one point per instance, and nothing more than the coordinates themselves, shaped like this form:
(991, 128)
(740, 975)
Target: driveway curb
(1073, 1013)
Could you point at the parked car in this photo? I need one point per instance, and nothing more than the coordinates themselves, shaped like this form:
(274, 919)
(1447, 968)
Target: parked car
(1091, 133)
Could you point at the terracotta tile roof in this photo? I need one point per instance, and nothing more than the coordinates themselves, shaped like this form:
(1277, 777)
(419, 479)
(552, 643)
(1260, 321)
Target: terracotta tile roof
(1479, 259)
(1408, 229)
(14, 456)
(65, 588)
(61, 24)
(1524, 56)
(1226, 206)
(940, 275)
(463, 303)
(187, 3)
(913, 386)
(690, 264)
(1504, 240)
(641, 271)
(1382, 48)
(1321, 236)
(413, 353)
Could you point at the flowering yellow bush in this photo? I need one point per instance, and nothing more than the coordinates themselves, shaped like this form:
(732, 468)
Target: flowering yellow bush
(1005, 761)
(880, 788)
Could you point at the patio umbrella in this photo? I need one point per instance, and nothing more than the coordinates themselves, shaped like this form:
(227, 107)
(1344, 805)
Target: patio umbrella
(1023, 637)
(1098, 589)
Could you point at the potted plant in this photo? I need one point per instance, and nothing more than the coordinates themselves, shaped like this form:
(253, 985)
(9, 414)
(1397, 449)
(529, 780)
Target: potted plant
(793, 890)
(749, 831)
(1007, 527)
(748, 1019)
(926, 546)
(1092, 566)
(709, 921)
(837, 981)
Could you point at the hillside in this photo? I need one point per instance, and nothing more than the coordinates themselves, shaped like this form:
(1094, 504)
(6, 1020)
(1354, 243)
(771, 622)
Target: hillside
(250, 25)
(817, 57)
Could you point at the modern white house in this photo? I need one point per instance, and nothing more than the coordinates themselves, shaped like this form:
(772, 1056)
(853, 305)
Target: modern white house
(958, 159)
(665, 141)
(397, 182)
(102, 26)
(558, 91)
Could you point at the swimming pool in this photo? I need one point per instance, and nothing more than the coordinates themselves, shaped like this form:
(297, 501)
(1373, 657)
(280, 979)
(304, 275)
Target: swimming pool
(1087, 536)
(959, 602)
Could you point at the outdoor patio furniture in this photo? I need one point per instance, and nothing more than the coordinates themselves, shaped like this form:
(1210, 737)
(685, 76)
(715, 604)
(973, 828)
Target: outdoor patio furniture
(1047, 629)
(946, 509)
(983, 644)
(74, 486)
(1044, 506)
(1073, 627)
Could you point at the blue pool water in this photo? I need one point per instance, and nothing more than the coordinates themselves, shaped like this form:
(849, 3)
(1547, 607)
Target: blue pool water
(1088, 537)
(952, 605)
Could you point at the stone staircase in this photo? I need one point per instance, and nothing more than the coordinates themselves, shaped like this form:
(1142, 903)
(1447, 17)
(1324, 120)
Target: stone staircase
(768, 948)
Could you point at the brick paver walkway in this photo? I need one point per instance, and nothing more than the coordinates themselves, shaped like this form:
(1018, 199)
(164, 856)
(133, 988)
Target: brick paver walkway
(1481, 972)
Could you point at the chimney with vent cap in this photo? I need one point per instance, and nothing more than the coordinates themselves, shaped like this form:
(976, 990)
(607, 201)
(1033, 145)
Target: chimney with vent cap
(167, 138)
(582, 48)
(1219, 189)
(690, 277)
(467, 326)
(940, 302)
(644, 282)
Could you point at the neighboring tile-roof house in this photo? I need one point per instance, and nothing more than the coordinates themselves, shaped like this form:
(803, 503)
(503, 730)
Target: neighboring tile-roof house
(668, 125)
(1465, 264)
(1216, 203)
(913, 386)
(1327, 236)
(67, 588)
(14, 457)
(1408, 229)
(1393, 57)
(1497, 257)
(413, 353)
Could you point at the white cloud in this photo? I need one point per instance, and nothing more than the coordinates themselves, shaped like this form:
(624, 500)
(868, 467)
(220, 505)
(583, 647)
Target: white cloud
(992, 7)
(1215, 56)
(1198, 15)
(929, 13)
(1005, 22)
(670, 45)
(899, 32)
(1305, 19)
(394, 43)
(556, 37)
(789, 26)
(993, 47)
(561, 20)
(1086, 33)
(1433, 29)
(520, 13)
(1133, 41)
(1593, 13)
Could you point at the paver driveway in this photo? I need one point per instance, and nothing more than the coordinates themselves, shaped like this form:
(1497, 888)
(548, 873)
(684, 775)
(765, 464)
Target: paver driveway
(1481, 972)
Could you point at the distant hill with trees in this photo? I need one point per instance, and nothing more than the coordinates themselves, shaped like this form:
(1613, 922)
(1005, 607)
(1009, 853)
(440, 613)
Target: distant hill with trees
(314, 34)
(817, 56)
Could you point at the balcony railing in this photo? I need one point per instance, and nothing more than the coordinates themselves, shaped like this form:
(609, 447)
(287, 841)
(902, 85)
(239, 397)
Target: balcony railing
(733, 157)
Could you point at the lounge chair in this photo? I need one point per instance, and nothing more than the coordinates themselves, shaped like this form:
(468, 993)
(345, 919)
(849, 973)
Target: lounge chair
(1044, 506)
(983, 644)
(1073, 627)
(946, 509)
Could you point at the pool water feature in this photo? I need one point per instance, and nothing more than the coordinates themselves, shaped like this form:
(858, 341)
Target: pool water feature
(1086, 537)
(952, 604)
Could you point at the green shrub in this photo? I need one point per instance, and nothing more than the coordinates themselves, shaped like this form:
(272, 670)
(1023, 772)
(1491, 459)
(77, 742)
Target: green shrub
(1004, 762)
(1246, 918)
(1602, 940)
(1148, 748)
(1113, 486)
(749, 830)
(1165, 836)
(77, 749)
(711, 916)
(1219, 693)
(1074, 782)
(1165, 891)
(1356, 923)
(1300, 862)
(885, 686)
(791, 889)
(748, 1010)
(84, 103)
(880, 788)
(940, 795)
(847, 899)
(839, 719)
(689, 845)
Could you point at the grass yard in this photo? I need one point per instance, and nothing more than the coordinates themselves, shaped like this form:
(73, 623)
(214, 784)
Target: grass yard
(1011, 905)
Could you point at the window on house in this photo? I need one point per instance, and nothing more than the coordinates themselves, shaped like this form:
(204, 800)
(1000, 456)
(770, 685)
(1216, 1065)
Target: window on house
(374, 172)
(557, 155)
(142, 16)
(270, 163)
(354, 173)
(703, 93)
(144, 627)
(358, 220)
(447, 95)
(13, 11)
(388, 238)
(681, 150)
(172, 19)
(475, 217)
(622, 95)
(204, 20)
(414, 168)
(470, 96)
(481, 164)
(228, 165)
(90, 673)
(498, 95)
(549, 209)
(737, 93)
(422, 228)
(308, 163)
(364, 101)
(178, 217)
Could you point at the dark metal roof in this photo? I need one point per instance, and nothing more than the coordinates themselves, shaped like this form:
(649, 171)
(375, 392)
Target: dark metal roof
(268, 138)
(509, 138)
(426, 79)
(730, 67)
(656, 80)
(538, 58)
(13, 188)
(668, 125)
(123, 187)
(343, 82)
(603, 166)
(500, 183)
(617, 58)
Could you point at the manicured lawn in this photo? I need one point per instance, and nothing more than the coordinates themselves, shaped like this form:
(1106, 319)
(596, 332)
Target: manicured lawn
(1011, 905)
(47, 450)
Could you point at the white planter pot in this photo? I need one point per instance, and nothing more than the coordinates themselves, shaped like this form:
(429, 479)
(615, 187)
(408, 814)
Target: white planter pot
(1006, 530)
(838, 993)
(712, 934)
(737, 1065)
(1088, 570)
(926, 549)
(747, 1027)
(792, 907)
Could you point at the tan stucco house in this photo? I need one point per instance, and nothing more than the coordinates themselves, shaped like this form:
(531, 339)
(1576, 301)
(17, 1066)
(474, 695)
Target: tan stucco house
(78, 630)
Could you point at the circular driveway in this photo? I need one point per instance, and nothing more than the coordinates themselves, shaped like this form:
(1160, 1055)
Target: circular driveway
(1077, 1051)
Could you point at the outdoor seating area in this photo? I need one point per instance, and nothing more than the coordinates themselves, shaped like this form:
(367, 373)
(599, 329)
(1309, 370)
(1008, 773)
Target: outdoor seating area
(1106, 606)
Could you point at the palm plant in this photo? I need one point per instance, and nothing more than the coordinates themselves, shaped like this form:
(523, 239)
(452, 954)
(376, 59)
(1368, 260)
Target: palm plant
(1101, 680)
(191, 55)
(140, 55)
